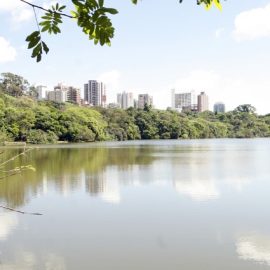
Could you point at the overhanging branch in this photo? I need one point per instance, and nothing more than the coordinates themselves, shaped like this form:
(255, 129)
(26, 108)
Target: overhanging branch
(39, 7)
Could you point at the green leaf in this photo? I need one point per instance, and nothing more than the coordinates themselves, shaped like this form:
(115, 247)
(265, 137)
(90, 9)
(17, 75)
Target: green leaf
(101, 3)
(45, 47)
(32, 36)
(36, 50)
(39, 57)
(109, 10)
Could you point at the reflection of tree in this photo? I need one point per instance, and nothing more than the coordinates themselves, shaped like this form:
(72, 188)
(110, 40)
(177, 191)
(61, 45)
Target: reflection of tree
(64, 168)
(16, 189)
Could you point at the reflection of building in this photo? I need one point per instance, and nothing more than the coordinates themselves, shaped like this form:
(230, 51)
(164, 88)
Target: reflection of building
(203, 103)
(125, 100)
(95, 93)
(94, 184)
(103, 186)
(144, 99)
(219, 107)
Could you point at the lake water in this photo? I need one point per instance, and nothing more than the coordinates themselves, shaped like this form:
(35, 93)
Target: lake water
(145, 205)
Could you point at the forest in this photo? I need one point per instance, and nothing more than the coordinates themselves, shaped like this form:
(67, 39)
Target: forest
(22, 118)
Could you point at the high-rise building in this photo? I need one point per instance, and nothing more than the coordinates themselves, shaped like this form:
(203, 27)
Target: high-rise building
(125, 100)
(203, 102)
(184, 101)
(95, 93)
(57, 96)
(74, 95)
(144, 99)
(41, 92)
(219, 107)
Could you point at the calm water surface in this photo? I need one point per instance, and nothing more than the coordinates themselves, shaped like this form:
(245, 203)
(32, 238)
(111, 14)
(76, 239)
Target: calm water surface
(139, 205)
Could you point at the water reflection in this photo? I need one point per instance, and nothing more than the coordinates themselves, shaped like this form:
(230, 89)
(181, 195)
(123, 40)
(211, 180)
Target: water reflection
(95, 217)
(197, 171)
(27, 260)
(254, 247)
(8, 221)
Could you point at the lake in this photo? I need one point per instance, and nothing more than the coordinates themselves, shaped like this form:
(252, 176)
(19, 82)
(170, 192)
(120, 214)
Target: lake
(141, 205)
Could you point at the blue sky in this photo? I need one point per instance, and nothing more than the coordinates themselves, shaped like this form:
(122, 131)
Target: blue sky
(157, 46)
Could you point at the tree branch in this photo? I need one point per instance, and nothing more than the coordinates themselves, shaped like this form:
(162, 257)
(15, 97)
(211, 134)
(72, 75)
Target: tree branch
(18, 211)
(39, 7)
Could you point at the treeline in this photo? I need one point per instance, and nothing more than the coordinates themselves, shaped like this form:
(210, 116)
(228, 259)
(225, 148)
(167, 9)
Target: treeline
(24, 119)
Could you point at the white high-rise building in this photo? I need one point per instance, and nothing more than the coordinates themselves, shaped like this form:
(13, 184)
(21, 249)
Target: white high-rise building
(144, 99)
(41, 92)
(184, 101)
(125, 100)
(57, 95)
(95, 93)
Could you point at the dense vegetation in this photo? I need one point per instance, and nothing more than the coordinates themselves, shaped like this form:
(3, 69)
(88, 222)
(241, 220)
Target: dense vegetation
(24, 119)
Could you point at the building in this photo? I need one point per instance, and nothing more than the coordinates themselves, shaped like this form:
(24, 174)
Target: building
(125, 100)
(203, 102)
(74, 95)
(219, 107)
(144, 99)
(95, 93)
(113, 105)
(41, 92)
(57, 95)
(184, 101)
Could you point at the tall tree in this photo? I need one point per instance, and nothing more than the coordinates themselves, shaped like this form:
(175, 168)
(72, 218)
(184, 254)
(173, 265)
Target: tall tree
(13, 85)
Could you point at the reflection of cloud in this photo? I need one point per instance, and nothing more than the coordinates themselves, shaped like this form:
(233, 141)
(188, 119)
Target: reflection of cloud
(8, 221)
(27, 260)
(255, 247)
(238, 183)
(199, 190)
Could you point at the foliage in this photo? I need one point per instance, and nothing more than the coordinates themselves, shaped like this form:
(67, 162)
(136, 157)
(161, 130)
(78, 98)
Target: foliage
(13, 84)
(22, 118)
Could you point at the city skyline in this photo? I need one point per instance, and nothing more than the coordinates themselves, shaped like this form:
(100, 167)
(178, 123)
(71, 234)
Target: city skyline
(94, 94)
(222, 53)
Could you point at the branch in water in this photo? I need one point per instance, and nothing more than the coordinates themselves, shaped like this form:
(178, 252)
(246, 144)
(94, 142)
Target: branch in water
(18, 211)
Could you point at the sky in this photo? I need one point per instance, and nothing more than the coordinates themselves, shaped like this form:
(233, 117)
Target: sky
(158, 45)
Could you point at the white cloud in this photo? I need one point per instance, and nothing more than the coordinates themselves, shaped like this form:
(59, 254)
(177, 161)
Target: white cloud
(49, 4)
(252, 24)
(7, 52)
(18, 11)
(22, 15)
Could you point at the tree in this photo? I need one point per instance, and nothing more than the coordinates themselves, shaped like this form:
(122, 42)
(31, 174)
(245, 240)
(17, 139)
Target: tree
(245, 108)
(13, 85)
(90, 15)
